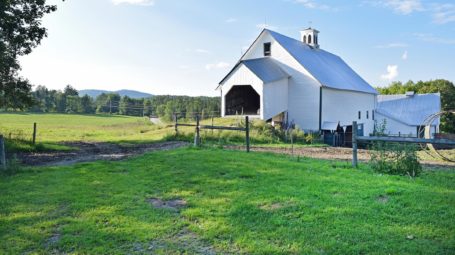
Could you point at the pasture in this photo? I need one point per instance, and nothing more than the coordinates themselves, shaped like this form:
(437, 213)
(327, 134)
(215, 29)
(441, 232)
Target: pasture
(255, 203)
(212, 201)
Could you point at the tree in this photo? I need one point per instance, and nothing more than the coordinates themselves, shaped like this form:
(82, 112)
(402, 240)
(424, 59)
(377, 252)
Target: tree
(20, 32)
(147, 107)
(70, 91)
(86, 104)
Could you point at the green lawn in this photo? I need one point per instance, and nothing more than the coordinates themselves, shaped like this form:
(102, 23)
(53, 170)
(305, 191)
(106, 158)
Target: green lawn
(69, 127)
(253, 203)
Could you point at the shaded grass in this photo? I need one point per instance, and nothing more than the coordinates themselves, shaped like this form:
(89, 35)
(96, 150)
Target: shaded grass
(255, 203)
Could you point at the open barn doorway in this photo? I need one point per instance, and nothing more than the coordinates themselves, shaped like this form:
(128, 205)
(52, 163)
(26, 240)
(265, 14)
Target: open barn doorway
(242, 100)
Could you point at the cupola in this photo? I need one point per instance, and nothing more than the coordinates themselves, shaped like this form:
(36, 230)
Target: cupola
(309, 36)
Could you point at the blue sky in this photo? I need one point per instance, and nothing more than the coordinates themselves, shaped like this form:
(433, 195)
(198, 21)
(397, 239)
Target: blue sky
(185, 47)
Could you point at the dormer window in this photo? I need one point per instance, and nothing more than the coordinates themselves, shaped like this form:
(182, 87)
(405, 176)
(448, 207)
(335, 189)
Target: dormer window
(267, 49)
(309, 39)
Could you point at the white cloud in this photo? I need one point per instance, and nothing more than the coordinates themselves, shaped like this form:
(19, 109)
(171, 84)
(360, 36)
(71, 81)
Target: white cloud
(134, 2)
(202, 51)
(392, 45)
(263, 25)
(404, 6)
(231, 20)
(405, 55)
(392, 73)
(312, 4)
(219, 65)
(443, 13)
(433, 39)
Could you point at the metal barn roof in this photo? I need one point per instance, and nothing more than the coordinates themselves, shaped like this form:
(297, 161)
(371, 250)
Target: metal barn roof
(410, 110)
(329, 125)
(266, 69)
(330, 70)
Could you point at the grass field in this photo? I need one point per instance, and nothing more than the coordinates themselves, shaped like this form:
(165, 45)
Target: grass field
(68, 127)
(53, 129)
(237, 202)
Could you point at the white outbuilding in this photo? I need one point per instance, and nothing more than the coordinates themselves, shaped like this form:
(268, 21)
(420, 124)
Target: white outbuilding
(405, 114)
(291, 81)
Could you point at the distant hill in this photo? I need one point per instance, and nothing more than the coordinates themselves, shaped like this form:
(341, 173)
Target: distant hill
(124, 92)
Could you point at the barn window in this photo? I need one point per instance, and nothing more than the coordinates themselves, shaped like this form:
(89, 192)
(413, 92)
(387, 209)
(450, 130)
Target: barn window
(267, 49)
(368, 115)
(304, 39)
(372, 114)
(315, 39)
(309, 39)
(360, 115)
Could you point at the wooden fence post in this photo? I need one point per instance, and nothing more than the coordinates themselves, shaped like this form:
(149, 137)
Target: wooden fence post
(2, 153)
(212, 124)
(176, 125)
(247, 133)
(34, 133)
(196, 141)
(354, 144)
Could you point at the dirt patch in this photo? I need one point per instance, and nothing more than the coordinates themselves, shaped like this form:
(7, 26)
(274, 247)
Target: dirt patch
(184, 242)
(173, 204)
(88, 151)
(383, 199)
(334, 153)
(272, 207)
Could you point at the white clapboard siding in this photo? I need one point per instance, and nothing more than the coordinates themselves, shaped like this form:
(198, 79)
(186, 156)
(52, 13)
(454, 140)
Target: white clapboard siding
(275, 100)
(343, 106)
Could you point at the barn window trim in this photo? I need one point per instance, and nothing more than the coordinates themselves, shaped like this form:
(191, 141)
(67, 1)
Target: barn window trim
(267, 49)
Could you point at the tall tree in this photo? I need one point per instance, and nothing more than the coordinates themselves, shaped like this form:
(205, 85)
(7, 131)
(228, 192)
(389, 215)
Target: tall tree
(20, 32)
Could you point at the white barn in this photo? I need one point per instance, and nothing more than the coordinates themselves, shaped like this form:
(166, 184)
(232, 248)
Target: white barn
(294, 81)
(405, 114)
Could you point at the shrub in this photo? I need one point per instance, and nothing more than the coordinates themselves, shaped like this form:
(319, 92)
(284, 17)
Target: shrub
(394, 158)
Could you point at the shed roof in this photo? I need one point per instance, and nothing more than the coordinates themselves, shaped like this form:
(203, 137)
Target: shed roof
(329, 125)
(410, 110)
(266, 69)
(329, 69)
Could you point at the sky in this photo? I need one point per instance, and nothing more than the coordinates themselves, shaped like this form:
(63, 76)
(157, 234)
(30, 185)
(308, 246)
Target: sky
(185, 47)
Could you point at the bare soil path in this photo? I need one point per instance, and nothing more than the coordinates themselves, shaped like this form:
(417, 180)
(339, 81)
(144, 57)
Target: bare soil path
(92, 151)
(334, 153)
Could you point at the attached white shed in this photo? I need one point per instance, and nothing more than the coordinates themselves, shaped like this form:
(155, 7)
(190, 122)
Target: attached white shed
(405, 114)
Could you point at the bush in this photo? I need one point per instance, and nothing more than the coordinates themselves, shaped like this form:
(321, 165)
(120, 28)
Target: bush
(394, 158)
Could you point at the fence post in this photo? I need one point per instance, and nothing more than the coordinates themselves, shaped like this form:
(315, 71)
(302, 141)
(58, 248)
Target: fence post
(354, 144)
(2, 153)
(34, 133)
(212, 124)
(247, 133)
(176, 125)
(196, 141)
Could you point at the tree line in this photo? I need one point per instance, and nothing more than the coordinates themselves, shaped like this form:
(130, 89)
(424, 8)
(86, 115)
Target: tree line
(68, 100)
(444, 87)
